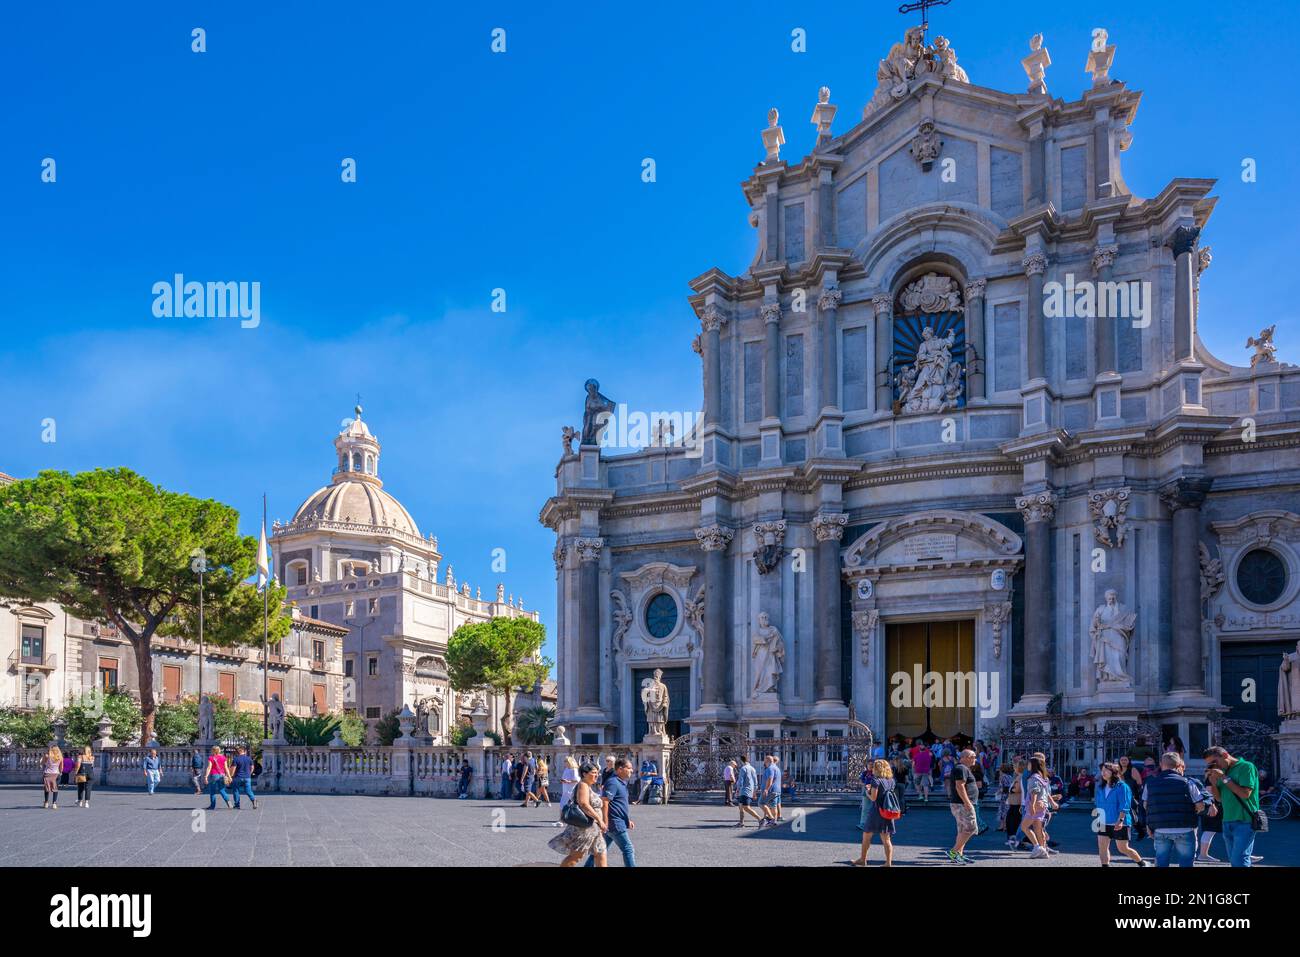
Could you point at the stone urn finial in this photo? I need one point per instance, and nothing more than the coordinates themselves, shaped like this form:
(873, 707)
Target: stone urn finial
(406, 721)
(60, 726)
(104, 732)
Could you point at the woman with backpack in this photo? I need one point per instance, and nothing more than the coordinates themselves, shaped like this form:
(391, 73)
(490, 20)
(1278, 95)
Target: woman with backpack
(84, 773)
(885, 810)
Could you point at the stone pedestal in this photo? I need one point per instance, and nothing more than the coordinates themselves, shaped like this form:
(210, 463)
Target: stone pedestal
(765, 706)
(1288, 746)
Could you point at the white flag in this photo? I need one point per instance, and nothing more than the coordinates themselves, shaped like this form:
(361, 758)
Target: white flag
(263, 562)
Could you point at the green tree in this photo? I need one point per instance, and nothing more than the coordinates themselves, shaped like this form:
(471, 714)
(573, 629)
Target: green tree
(26, 729)
(388, 729)
(352, 729)
(315, 731)
(499, 654)
(109, 546)
(533, 726)
(83, 715)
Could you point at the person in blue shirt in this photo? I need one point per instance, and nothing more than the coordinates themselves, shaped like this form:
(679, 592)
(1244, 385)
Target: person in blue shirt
(1112, 808)
(747, 791)
(466, 772)
(618, 826)
(241, 780)
(771, 794)
(152, 769)
(648, 778)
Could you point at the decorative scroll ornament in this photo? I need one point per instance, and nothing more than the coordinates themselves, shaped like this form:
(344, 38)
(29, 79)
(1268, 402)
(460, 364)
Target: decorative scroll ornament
(1265, 350)
(769, 536)
(588, 549)
(998, 615)
(714, 538)
(931, 293)
(864, 626)
(830, 299)
(829, 527)
(622, 618)
(926, 145)
(1039, 507)
(1109, 507)
(1212, 576)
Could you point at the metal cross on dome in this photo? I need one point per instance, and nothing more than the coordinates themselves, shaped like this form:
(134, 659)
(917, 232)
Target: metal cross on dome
(924, 6)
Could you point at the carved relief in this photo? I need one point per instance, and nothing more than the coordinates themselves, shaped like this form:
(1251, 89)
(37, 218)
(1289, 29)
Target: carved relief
(1212, 576)
(934, 383)
(622, 618)
(769, 537)
(926, 145)
(931, 293)
(864, 626)
(1109, 508)
(998, 614)
(588, 549)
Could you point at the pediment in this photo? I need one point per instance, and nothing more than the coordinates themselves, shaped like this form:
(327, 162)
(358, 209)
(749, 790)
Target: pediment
(658, 573)
(933, 536)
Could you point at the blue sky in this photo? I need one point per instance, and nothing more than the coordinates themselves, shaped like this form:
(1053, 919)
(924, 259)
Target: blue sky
(478, 171)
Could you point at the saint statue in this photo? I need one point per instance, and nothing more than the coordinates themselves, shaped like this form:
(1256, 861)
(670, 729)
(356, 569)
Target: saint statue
(275, 718)
(207, 720)
(1288, 685)
(769, 653)
(595, 413)
(1112, 636)
(654, 695)
(935, 380)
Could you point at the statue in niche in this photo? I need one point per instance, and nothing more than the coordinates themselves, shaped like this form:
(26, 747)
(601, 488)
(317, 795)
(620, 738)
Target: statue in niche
(596, 412)
(934, 385)
(654, 696)
(769, 655)
(1288, 684)
(1112, 637)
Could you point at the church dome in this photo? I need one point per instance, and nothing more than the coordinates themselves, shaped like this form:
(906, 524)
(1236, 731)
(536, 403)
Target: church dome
(356, 495)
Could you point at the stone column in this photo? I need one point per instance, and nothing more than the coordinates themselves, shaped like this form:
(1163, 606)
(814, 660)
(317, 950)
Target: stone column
(1183, 498)
(884, 308)
(589, 622)
(828, 527)
(771, 360)
(975, 338)
(827, 307)
(1184, 245)
(1037, 164)
(1103, 262)
(1035, 264)
(1038, 510)
(714, 540)
(712, 319)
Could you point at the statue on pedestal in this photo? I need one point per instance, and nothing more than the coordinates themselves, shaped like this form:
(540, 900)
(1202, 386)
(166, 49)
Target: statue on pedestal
(207, 720)
(275, 718)
(1112, 636)
(769, 653)
(654, 695)
(1288, 685)
(595, 413)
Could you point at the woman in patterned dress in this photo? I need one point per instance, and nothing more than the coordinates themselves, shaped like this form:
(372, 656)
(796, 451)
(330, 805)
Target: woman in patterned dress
(575, 843)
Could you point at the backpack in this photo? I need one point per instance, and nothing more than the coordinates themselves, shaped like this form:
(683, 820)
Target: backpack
(888, 805)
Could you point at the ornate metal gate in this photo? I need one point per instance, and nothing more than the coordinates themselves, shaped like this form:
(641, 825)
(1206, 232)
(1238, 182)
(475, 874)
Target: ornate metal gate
(1067, 750)
(1250, 740)
(829, 764)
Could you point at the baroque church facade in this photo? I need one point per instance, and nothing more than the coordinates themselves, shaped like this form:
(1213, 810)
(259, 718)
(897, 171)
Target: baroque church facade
(353, 556)
(957, 419)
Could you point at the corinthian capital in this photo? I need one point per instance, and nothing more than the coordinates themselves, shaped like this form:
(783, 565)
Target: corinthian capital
(1035, 264)
(830, 299)
(1184, 239)
(883, 304)
(714, 538)
(829, 526)
(1039, 507)
(712, 318)
(1103, 257)
(976, 288)
(771, 312)
(1184, 493)
(588, 549)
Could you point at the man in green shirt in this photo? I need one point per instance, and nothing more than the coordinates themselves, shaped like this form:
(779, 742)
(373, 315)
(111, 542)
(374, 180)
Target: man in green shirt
(1234, 782)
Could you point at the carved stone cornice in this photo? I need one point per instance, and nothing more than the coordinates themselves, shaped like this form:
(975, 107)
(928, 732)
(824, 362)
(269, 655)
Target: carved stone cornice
(770, 312)
(829, 526)
(1188, 492)
(1103, 257)
(830, 299)
(714, 538)
(588, 549)
(712, 318)
(1037, 507)
(1035, 264)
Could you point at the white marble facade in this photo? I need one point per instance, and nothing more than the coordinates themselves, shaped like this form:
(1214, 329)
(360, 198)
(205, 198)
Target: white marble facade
(901, 426)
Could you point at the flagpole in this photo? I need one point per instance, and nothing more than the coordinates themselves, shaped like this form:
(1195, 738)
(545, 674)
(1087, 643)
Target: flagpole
(266, 683)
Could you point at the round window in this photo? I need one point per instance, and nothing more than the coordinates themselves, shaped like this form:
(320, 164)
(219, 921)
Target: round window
(661, 616)
(1261, 577)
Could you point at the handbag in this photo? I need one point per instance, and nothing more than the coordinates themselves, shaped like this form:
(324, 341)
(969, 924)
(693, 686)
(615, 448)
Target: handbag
(574, 816)
(1259, 821)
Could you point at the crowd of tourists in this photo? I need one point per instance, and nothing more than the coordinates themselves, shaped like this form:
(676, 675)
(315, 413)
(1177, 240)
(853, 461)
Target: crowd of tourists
(216, 773)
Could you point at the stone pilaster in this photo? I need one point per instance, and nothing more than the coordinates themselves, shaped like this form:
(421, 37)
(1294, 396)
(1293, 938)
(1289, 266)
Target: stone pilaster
(827, 306)
(1035, 264)
(1185, 267)
(714, 540)
(975, 338)
(712, 319)
(828, 528)
(1038, 509)
(884, 311)
(588, 552)
(771, 313)
(1183, 497)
